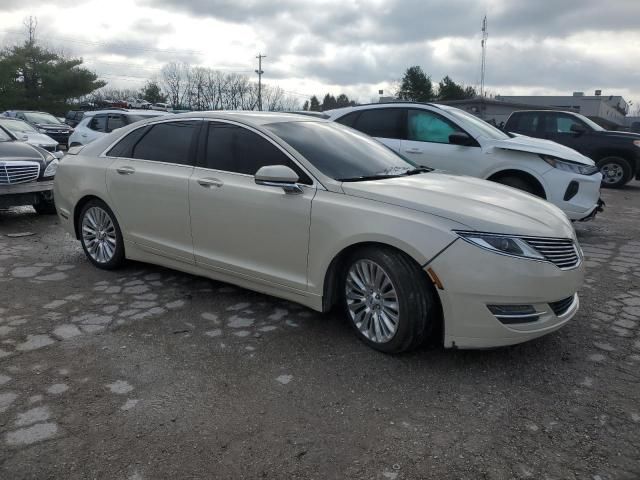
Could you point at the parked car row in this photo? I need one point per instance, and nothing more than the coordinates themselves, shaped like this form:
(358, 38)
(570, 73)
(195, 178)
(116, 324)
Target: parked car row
(453, 140)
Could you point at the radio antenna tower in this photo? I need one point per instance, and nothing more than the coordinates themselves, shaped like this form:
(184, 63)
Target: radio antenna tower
(485, 35)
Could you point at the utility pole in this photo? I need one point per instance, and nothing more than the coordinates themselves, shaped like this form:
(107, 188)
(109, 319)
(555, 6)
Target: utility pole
(260, 72)
(485, 35)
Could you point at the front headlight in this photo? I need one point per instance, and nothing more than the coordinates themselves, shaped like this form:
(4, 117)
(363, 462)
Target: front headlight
(502, 244)
(52, 168)
(569, 166)
(42, 130)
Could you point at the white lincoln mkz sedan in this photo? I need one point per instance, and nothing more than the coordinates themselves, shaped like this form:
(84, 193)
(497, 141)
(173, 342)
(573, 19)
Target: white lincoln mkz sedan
(320, 214)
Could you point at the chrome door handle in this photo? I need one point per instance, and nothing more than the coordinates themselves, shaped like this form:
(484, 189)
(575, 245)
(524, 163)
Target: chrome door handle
(125, 170)
(414, 150)
(210, 182)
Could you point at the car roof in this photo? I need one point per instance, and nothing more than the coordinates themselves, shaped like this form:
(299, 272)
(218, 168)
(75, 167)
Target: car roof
(251, 117)
(122, 111)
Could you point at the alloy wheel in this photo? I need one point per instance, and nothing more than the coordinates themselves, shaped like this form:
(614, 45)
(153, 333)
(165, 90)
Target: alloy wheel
(372, 301)
(611, 173)
(99, 235)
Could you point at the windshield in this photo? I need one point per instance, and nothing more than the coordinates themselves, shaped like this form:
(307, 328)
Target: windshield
(340, 152)
(590, 123)
(486, 129)
(17, 126)
(4, 136)
(40, 117)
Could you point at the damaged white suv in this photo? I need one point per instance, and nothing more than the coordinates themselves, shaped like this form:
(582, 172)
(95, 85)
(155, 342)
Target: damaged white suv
(450, 139)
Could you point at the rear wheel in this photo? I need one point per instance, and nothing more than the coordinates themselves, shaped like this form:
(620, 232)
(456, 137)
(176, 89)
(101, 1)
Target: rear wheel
(519, 183)
(616, 171)
(388, 300)
(100, 235)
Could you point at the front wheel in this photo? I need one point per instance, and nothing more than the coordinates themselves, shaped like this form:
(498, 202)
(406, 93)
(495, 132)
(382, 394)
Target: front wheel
(388, 300)
(616, 171)
(100, 235)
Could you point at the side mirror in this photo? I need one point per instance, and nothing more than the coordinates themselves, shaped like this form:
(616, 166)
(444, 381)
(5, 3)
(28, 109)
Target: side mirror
(460, 138)
(278, 176)
(579, 129)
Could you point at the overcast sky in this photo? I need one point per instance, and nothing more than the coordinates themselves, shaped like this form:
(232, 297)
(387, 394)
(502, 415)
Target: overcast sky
(351, 46)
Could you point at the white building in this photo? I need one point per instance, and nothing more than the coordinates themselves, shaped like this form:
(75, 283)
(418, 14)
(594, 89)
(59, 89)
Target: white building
(607, 110)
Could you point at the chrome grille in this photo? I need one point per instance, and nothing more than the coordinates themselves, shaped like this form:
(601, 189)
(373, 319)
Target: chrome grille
(12, 173)
(559, 251)
(561, 306)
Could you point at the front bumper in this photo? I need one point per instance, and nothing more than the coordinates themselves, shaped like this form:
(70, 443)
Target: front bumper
(61, 138)
(24, 193)
(578, 196)
(473, 278)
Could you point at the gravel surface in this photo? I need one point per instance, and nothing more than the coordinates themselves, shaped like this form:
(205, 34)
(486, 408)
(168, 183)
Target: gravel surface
(147, 373)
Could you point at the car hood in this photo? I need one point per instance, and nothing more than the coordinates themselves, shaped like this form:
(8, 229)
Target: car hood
(53, 126)
(476, 204)
(19, 151)
(40, 139)
(522, 143)
(613, 133)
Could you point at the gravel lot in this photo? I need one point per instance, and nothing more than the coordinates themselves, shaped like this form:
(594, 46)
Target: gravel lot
(146, 373)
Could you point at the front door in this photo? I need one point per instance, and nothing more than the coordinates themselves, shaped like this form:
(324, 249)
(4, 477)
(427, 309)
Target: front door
(428, 144)
(243, 228)
(148, 185)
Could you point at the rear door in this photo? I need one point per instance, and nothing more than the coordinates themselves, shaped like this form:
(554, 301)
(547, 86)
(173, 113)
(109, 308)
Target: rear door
(427, 143)
(252, 230)
(148, 185)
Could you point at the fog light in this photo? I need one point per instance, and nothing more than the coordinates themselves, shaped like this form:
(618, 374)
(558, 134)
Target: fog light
(510, 314)
(572, 190)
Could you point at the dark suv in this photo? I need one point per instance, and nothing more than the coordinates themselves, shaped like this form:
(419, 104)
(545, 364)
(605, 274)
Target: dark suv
(617, 154)
(73, 117)
(45, 123)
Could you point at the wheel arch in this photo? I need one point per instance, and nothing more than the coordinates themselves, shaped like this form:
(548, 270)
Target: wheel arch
(330, 292)
(526, 176)
(78, 208)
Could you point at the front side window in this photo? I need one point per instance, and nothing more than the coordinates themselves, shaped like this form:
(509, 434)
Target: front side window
(381, 122)
(561, 123)
(349, 119)
(235, 149)
(426, 126)
(98, 123)
(124, 147)
(168, 142)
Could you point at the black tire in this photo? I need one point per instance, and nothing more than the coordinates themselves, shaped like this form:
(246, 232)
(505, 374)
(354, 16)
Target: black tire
(118, 257)
(45, 207)
(418, 309)
(519, 183)
(616, 171)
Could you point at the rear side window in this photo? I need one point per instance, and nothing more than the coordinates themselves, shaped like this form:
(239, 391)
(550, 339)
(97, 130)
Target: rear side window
(115, 121)
(348, 119)
(381, 122)
(235, 149)
(525, 122)
(98, 123)
(125, 146)
(425, 126)
(168, 142)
